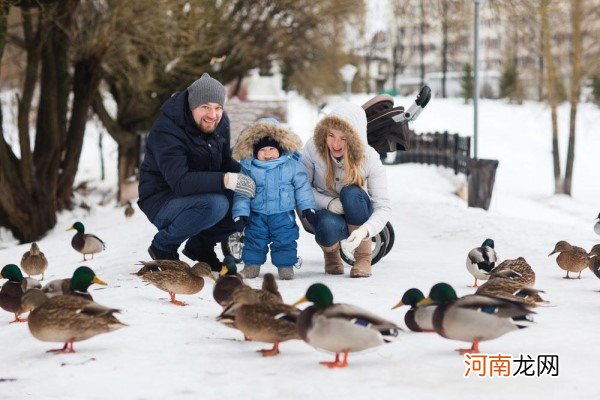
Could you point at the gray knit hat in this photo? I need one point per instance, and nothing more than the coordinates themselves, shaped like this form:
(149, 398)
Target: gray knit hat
(206, 90)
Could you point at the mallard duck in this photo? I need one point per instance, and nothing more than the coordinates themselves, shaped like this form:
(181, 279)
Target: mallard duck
(175, 277)
(417, 319)
(340, 328)
(269, 293)
(594, 261)
(77, 285)
(269, 322)
(571, 258)
(481, 260)
(505, 288)
(86, 243)
(228, 281)
(517, 270)
(474, 318)
(67, 319)
(34, 261)
(13, 289)
(597, 225)
(129, 210)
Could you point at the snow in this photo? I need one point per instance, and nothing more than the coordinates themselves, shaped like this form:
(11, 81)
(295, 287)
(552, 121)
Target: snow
(182, 352)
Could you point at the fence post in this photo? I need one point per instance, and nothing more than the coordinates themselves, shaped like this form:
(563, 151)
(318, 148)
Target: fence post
(482, 175)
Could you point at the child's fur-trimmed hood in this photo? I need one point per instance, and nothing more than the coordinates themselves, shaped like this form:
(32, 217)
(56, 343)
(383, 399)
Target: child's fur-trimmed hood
(288, 140)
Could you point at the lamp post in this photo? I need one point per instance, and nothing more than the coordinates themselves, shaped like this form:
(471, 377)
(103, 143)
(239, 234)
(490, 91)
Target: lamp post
(476, 75)
(348, 71)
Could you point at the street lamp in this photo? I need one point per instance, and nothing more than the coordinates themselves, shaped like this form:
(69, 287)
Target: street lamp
(348, 71)
(477, 3)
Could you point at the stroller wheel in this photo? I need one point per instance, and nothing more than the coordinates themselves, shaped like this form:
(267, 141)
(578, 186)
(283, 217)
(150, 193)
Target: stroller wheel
(378, 248)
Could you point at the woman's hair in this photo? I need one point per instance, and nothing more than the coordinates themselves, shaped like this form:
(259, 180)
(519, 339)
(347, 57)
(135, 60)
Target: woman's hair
(351, 169)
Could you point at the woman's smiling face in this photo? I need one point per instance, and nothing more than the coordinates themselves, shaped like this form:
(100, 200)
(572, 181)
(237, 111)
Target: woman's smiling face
(336, 143)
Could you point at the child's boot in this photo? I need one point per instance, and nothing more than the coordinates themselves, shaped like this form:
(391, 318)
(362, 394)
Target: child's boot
(286, 273)
(250, 271)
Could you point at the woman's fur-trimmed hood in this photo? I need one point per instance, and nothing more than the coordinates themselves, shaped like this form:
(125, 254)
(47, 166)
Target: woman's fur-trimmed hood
(288, 140)
(339, 120)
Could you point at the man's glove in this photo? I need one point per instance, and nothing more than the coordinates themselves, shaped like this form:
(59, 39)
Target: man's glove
(335, 206)
(310, 216)
(240, 183)
(241, 223)
(350, 244)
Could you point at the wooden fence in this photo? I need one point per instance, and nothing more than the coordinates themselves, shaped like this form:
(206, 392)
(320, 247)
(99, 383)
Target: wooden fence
(453, 151)
(439, 148)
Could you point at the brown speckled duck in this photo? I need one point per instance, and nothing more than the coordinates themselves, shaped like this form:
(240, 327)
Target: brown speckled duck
(67, 319)
(34, 261)
(77, 285)
(509, 289)
(175, 277)
(264, 321)
(517, 270)
(86, 243)
(571, 258)
(594, 261)
(13, 289)
(417, 319)
(229, 280)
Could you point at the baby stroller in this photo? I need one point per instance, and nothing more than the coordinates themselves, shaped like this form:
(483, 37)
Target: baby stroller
(387, 131)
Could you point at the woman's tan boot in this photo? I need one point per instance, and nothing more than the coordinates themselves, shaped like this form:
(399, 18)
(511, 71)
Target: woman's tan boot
(362, 257)
(333, 261)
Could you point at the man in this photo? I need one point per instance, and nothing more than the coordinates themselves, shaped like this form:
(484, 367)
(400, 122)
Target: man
(188, 175)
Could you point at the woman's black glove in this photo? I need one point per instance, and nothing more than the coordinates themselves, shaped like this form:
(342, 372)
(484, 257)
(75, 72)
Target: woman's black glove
(310, 216)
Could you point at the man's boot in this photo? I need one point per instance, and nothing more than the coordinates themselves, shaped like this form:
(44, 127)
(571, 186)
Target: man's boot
(333, 261)
(362, 257)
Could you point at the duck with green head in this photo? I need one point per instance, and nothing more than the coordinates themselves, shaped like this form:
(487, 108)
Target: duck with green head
(340, 328)
(474, 318)
(86, 243)
(481, 260)
(67, 319)
(417, 319)
(83, 277)
(228, 281)
(13, 289)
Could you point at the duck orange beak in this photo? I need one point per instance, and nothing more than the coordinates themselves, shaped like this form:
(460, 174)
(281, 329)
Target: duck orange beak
(400, 304)
(98, 281)
(224, 270)
(300, 301)
(426, 301)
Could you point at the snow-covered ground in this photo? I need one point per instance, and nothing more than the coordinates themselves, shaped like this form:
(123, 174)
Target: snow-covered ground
(182, 352)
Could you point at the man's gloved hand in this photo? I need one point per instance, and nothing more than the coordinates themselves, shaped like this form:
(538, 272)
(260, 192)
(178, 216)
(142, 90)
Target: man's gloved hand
(240, 183)
(335, 206)
(241, 223)
(310, 216)
(350, 244)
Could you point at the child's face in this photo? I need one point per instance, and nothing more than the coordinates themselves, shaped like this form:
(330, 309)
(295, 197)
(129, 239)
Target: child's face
(267, 153)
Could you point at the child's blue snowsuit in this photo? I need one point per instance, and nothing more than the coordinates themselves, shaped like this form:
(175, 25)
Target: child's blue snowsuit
(281, 185)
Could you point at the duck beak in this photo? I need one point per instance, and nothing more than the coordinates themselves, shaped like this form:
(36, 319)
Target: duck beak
(211, 276)
(1, 277)
(552, 253)
(223, 270)
(98, 281)
(425, 302)
(400, 304)
(300, 301)
(70, 229)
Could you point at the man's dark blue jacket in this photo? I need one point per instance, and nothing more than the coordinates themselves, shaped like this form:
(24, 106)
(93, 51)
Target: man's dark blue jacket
(180, 159)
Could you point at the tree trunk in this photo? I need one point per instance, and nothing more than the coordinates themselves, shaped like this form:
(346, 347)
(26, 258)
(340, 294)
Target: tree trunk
(444, 6)
(422, 44)
(551, 92)
(576, 54)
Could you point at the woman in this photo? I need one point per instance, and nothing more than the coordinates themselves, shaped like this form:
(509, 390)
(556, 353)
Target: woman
(350, 187)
